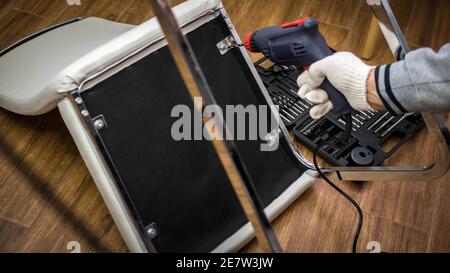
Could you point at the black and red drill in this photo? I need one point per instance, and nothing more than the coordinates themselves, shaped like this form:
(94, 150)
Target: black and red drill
(301, 44)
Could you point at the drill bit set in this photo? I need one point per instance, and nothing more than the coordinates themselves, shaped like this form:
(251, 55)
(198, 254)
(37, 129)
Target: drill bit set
(291, 109)
(370, 130)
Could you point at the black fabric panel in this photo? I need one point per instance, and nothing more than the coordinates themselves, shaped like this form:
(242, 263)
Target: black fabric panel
(181, 186)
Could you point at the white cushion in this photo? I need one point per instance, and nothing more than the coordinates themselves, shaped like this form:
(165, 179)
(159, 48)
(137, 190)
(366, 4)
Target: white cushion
(35, 76)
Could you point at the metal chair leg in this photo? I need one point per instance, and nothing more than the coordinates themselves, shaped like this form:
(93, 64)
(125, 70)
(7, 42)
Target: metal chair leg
(371, 41)
(197, 86)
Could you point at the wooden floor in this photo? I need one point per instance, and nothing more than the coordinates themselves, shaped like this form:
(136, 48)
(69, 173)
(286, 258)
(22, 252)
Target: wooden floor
(48, 199)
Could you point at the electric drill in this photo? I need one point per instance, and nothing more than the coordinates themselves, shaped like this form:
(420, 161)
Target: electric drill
(301, 44)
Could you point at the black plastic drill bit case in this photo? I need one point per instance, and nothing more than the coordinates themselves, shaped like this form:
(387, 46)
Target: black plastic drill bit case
(370, 130)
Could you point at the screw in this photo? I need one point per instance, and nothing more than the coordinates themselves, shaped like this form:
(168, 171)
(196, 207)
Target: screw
(99, 124)
(78, 101)
(85, 113)
(152, 232)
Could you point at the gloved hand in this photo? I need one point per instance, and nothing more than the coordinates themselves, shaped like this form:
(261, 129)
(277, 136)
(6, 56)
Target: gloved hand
(346, 72)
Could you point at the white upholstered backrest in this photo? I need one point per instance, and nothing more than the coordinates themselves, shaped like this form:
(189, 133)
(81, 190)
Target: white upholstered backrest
(35, 76)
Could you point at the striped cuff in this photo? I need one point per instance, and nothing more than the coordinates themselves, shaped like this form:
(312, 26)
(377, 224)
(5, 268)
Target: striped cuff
(384, 89)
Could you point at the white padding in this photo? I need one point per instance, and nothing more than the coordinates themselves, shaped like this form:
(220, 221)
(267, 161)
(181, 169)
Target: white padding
(30, 73)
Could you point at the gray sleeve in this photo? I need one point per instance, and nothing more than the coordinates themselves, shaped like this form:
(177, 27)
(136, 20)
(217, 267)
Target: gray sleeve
(420, 83)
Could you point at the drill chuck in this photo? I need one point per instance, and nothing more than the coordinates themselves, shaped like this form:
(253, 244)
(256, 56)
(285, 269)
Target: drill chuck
(250, 43)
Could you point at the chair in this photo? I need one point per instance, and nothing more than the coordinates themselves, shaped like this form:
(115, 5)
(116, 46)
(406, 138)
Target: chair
(66, 65)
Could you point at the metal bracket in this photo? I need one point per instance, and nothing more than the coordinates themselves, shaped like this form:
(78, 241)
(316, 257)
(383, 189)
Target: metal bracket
(227, 44)
(93, 126)
(99, 122)
(390, 28)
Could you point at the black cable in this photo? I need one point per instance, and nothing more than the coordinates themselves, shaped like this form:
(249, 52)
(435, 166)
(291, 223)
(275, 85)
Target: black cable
(346, 138)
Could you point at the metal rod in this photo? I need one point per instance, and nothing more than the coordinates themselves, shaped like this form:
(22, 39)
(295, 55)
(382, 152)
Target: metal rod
(378, 121)
(226, 150)
(395, 124)
(384, 124)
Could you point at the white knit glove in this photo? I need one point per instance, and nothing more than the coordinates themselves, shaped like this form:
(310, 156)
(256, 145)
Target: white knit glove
(346, 72)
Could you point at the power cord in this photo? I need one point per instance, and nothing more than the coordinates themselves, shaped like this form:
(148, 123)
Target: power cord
(346, 138)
